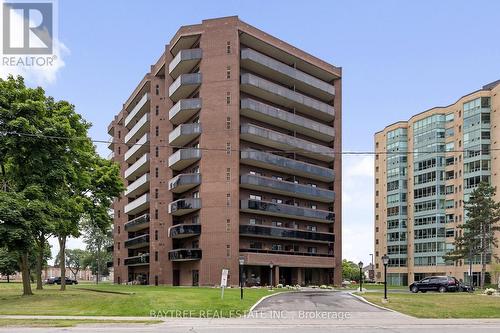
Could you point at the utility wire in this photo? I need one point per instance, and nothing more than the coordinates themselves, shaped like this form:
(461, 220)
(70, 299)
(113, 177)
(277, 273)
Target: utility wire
(325, 152)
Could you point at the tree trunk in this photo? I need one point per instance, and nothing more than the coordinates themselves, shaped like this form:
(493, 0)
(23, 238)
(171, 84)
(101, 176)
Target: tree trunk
(62, 261)
(483, 269)
(98, 259)
(39, 260)
(25, 272)
(8, 278)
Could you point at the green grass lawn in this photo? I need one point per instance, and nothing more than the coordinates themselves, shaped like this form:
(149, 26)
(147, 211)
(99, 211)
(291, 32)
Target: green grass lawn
(140, 301)
(436, 305)
(5, 322)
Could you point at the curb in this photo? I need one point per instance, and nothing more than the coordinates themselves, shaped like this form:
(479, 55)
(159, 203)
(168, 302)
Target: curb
(378, 306)
(266, 297)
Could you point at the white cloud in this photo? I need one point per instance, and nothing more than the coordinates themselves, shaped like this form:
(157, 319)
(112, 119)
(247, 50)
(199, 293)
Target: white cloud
(357, 207)
(38, 75)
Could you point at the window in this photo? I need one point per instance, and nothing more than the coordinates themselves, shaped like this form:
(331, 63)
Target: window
(228, 47)
(156, 234)
(228, 72)
(276, 200)
(157, 110)
(157, 151)
(311, 228)
(228, 174)
(157, 130)
(228, 199)
(277, 247)
(196, 194)
(156, 172)
(228, 250)
(254, 221)
(156, 193)
(255, 245)
(118, 265)
(228, 123)
(156, 255)
(156, 214)
(278, 224)
(118, 230)
(119, 150)
(255, 197)
(157, 90)
(228, 225)
(118, 245)
(119, 134)
(228, 148)
(228, 97)
(312, 249)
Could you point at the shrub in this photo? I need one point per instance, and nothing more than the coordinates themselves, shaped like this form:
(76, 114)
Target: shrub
(489, 291)
(279, 286)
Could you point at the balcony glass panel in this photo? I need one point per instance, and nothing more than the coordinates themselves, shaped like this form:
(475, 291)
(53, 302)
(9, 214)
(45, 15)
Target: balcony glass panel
(184, 182)
(183, 134)
(183, 158)
(184, 230)
(183, 110)
(184, 62)
(184, 254)
(137, 260)
(137, 242)
(282, 233)
(184, 206)
(283, 210)
(137, 111)
(138, 223)
(184, 86)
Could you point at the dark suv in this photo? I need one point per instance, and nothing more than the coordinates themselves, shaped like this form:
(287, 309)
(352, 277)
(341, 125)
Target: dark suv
(435, 283)
(57, 280)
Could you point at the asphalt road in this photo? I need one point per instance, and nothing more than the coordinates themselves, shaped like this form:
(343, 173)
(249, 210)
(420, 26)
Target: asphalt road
(301, 312)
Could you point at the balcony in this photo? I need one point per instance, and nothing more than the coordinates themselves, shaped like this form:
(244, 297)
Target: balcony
(139, 223)
(288, 211)
(184, 182)
(137, 242)
(283, 73)
(184, 86)
(184, 110)
(306, 254)
(184, 254)
(184, 62)
(184, 206)
(138, 110)
(280, 95)
(283, 233)
(184, 134)
(277, 140)
(184, 230)
(139, 167)
(138, 149)
(138, 187)
(140, 260)
(270, 185)
(284, 119)
(286, 165)
(137, 205)
(111, 143)
(183, 158)
(141, 127)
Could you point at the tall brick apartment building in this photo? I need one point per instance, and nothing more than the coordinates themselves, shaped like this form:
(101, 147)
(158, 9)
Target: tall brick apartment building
(227, 149)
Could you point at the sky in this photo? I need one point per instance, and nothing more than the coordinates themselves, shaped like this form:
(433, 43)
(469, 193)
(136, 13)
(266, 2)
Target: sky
(398, 58)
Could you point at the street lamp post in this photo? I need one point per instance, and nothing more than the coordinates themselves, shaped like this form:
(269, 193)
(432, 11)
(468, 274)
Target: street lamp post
(271, 265)
(360, 265)
(385, 261)
(241, 261)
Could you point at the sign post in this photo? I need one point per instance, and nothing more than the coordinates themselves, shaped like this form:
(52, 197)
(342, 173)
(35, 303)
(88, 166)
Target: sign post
(223, 281)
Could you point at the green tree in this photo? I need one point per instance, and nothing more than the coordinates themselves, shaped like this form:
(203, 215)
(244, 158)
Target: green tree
(75, 260)
(478, 237)
(8, 263)
(350, 271)
(48, 161)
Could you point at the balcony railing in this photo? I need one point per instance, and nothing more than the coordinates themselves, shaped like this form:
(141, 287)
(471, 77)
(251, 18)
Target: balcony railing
(283, 210)
(277, 140)
(286, 165)
(184, 62)
(283, 233)
(308, 254)
(266, 184)
(183, 110)
(183, 134)
(140, 260)
(139, 148)
(284, 119)
(184, 182)
(141, 222)
(137, 205)
(139, 167)
(183, 158)
(139, 186)
(184, 230)
(141, 127)
(184, 86)
(280, 95)
(184, 206)
(137, 111)
(267, 66)
(184, 254)
(137, 242)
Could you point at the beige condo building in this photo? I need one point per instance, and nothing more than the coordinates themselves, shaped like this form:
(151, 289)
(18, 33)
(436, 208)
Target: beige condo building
(419, 196)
